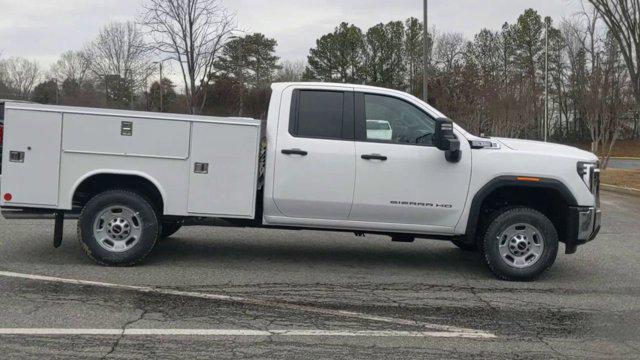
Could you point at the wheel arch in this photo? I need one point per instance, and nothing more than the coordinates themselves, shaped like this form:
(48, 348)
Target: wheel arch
(528, 190)
(136, 180)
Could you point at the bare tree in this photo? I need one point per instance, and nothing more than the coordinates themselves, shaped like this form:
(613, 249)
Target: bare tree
(20, 76)
(72, 65)
(5, 92)
(120, 50)
(290, 71)
(193, 32)
(623, 19)
(449, 50)
(3, 74)
(600, 81)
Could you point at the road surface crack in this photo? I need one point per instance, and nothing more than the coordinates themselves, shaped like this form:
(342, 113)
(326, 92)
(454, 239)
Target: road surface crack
(538, 335)
(116, 343)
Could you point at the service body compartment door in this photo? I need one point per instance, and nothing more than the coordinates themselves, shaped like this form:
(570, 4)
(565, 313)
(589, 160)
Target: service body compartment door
(31, 157)
(224, 169)
(125, 136)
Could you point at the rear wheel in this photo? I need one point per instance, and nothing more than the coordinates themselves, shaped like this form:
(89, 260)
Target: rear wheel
(520, 244)
(118, 228)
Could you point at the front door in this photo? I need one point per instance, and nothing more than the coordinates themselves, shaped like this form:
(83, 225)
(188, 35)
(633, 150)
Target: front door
(315, 158)
(401, 178)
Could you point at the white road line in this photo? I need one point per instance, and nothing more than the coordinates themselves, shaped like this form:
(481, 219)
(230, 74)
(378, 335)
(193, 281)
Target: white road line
(238, 333)
(249, 301)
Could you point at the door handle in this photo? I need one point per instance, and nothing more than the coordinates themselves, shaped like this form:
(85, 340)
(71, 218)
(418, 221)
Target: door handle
(295, 152)
(374, 157)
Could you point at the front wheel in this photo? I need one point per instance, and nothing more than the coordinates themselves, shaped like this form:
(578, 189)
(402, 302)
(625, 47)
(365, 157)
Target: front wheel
(520, 244)
(118, 228)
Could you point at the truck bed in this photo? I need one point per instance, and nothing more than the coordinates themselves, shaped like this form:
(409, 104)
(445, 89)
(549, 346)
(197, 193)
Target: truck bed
(202, 166)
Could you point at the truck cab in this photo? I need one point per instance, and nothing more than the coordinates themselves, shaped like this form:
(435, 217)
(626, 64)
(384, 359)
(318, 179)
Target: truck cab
(324, 163)
(333, 157)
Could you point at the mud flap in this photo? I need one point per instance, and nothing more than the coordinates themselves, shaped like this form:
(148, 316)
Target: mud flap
(57, 229)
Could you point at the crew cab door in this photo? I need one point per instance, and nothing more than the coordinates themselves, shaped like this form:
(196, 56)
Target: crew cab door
(315, 156)
(401, 178)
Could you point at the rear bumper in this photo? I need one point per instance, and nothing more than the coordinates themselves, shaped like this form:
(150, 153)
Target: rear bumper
(583, 226)
(34, 214)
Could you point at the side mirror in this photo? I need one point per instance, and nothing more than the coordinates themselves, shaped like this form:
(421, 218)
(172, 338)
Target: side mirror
(445, 139)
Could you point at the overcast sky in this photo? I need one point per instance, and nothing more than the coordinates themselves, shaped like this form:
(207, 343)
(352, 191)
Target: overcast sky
(43, 29)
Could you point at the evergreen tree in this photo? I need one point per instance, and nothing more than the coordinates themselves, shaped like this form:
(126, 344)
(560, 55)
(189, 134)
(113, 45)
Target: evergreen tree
(338, 56)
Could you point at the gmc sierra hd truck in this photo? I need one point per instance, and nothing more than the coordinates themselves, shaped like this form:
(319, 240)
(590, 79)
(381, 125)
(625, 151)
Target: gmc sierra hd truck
(330, 157)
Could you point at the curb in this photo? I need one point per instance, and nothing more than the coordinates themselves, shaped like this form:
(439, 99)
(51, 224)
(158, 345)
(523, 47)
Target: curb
(620, 190)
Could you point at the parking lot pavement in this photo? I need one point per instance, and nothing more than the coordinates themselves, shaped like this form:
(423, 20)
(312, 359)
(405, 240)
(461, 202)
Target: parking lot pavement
(233, 293)
(627, 164)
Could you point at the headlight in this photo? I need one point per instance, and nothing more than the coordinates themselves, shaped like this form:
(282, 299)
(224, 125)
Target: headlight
(484, 144)
(587, 172)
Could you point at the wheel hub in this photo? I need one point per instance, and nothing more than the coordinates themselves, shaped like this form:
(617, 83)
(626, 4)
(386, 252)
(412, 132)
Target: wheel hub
(521, 245)
(117, 228)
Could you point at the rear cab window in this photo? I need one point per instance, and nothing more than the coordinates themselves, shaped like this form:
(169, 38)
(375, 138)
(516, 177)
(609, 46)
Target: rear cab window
(320, 114)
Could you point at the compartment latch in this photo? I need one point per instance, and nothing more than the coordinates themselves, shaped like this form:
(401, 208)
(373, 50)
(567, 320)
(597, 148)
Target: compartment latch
(16, 156)
(126, 128)
(201, 168)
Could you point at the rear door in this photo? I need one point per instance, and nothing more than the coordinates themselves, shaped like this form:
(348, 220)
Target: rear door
(31, 157)
(315, 156)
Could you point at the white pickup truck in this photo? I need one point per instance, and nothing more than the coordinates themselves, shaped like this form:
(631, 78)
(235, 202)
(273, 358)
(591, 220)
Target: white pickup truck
(330, 157)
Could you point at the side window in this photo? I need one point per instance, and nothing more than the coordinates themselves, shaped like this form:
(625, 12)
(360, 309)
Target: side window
(396, 121)
(322, 115)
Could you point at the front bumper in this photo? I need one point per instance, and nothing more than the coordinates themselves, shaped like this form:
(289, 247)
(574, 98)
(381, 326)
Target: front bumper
(583, 226)
(589, 223)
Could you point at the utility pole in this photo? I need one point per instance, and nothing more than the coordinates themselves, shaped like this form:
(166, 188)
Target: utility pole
(161, 64)
(161, 90)
(132, 93)
(425, 80)
(546, 80)
(57, 92)
(106, 91)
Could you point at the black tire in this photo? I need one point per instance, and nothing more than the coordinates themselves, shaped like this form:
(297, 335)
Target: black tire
(145, 217)
(464, 246)
(512, 218)
(169, 228)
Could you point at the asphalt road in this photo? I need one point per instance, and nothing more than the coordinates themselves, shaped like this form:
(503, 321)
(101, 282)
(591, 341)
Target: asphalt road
(312, 295)
(626, 164)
